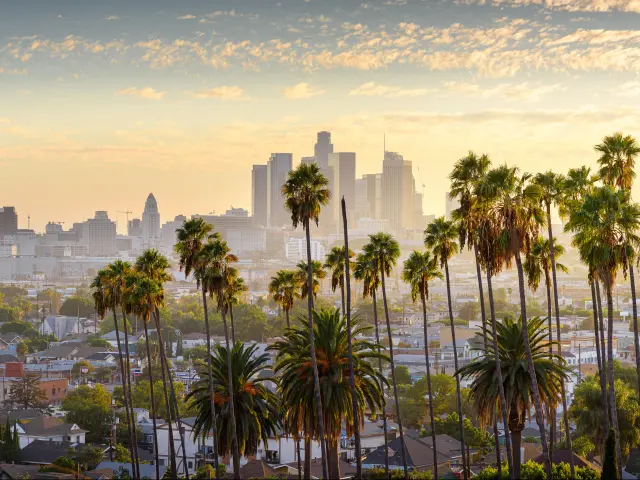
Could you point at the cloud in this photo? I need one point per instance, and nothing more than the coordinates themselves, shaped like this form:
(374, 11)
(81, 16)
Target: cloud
(186, 17)
(148, 93)
(524, 91)
(112, 17)
(627, 89)
(566, 5)
(223, 92)
(376, 90)
(302, 90)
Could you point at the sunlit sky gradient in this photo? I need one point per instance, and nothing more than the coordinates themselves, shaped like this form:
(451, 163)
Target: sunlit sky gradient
(103, 102)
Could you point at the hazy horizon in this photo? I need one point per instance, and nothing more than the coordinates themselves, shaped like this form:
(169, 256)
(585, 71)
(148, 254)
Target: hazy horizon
(103, 103)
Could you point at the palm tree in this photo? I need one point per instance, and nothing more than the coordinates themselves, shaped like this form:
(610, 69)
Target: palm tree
(285, 288)
(440, 237)
(366, 270)
(317, 273)
(217, 255)
(117, 273)
(419, 270)
(190, 241)
(254, 406)
(549, 371)
(154, 265)
(296, 376)
(306, 191)
(603, 226)
(335, 263)
(617, 162)
(143, 296)
(386, 250)
(103, 300)
(233, 293)
(518, 216)
(550, 185)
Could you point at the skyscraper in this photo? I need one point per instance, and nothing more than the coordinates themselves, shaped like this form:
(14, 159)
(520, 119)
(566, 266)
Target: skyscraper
(151, 223)
(99, 234)
(259, 195)
(374, 195)
(343, 184)
(278, 167)
(450, 205)
(322, 149)
(134, 227)
(8, 221)
(397, 191)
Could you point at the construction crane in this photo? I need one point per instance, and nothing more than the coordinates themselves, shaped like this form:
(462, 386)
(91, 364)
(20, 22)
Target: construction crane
(126, 213)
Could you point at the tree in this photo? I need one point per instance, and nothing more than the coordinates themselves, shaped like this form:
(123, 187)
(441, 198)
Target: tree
(99, 342)
(235, 289)
(77, 307)
(121, 454)
(22, 305)
(191, 238)
(284, 288)
(22, 349)
(292, 363)
(90, 408)
(256, 407)
(335, 263)
(610, 464)
(142, 397)
(305, 192)
(386, 250)
(76, 370)
(549, 370)
(26, 392)
(402, 375)
(469, 311)
(440, 237)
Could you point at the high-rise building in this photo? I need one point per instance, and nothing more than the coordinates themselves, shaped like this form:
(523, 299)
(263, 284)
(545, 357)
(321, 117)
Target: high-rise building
(99, 234)
(151, 223)
(450, 205)
(343, 168)
(259, 195)
(134, 227)
(278, 167)
(362, 202)
(374, 194)
(8, 221)
(308, 160)
(397, 191)
(168, 233)
(322, 149)
(419, 218)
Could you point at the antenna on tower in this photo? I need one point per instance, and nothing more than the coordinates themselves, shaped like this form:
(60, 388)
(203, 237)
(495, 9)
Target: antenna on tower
(29, 221)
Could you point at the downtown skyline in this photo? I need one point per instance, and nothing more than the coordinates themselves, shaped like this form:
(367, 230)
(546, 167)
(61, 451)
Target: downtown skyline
(182, 100)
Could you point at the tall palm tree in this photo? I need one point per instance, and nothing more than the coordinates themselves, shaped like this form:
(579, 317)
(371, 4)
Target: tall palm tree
(217, 255)
(143, 296)
(317, 273)
(155, 266)
(617, 162)
(440, 237)
(603, 226)
(366, 270)
(518, 215)
(255, 407)
(191, 238)
(294, 366)
(236, 288)
(551, 186)
(305, 192)
(117, 273)
(335, 263)
(285, 289)
(549, 371)
(419, 270)
(386, 250)
(102, 298)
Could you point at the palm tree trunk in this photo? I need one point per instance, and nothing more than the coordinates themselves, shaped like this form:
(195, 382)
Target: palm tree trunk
(172, 443)
(166, 372)
(532, 372)
(393, 377)
(352, 378)
(130, 425)
(552, 412)
(314, 363)
(299, 459)
(214, 430)
(344, 311)
(135, 460)
(286, 313)
(483, 315)
(634, 309)
(432, 419)
(565, 410)
(307, 457)
(465, 463)
(233, 330)
(603, 349)
(232, 412)
(600, 355)
(612, 388)
(334, 459)
(153, 398)
(515, 430)
(384, 398)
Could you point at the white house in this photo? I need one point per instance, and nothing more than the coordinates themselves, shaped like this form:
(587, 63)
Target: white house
(49, 429)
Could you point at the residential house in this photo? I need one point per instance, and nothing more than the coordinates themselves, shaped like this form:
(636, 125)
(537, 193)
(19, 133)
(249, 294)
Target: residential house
(44, 452)
(418, 451)
(49, 429)
(346, 469)
(54, 389)
(9, 471)
(59, 325)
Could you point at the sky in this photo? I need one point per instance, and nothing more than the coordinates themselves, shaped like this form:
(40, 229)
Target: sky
(104, 102)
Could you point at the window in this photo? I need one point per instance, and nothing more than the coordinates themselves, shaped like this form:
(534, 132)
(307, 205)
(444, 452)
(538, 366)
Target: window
(69, 438)
(161, 462)
(190, 465)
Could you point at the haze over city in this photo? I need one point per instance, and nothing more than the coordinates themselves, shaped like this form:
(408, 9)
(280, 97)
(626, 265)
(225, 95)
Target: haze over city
(182, 98)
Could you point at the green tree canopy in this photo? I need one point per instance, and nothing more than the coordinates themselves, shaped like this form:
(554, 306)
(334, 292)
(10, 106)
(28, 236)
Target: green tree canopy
(77, 307)
(90, 408)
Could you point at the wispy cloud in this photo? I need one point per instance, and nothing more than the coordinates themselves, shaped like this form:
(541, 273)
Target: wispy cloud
(524, 91)
(223, 92)
(148, 93)
(627, 89)
(376, 90)
(186, 17)
(112, 17)
(302, 90)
